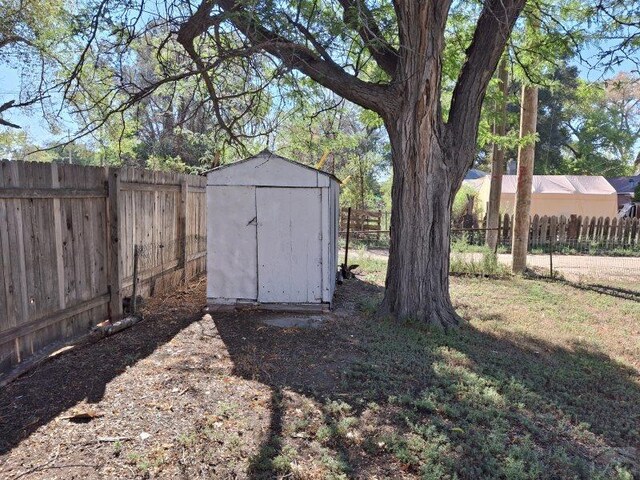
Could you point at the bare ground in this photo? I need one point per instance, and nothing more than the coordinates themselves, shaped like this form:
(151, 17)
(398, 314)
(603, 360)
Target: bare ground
(176, 395)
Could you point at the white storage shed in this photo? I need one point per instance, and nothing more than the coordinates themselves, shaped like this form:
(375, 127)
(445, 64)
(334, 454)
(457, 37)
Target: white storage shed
(272, 234)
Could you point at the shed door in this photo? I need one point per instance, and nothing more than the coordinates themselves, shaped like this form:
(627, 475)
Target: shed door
(289, 245)
(231, 243)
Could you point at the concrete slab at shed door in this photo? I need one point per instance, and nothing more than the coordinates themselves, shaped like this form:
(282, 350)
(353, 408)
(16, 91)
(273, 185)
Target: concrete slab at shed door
(232, 262)
(289, 245)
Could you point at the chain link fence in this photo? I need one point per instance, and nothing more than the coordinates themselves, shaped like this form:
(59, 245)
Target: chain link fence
(608, 264)
(612, 264)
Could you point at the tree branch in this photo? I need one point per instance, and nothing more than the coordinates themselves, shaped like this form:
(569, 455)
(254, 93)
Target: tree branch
(12, 39)
(312, 39)
(12, 104)
(327, 73)
(360, 18)
(489, 39)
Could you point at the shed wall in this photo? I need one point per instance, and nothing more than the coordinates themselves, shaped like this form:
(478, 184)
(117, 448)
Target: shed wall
(267, 172)
(334, 210)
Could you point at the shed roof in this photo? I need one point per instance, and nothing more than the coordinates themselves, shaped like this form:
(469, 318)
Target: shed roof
(625, 184)
(562, 184)
(266, 155)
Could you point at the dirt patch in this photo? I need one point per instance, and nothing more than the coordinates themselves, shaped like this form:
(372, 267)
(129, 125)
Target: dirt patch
(180, 394)
(296, 321)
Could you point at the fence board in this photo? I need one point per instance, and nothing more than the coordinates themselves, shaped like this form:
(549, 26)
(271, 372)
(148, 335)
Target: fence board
(562, 229)
(506, 229)
(364, 223)
(534, 237)
(613, 230)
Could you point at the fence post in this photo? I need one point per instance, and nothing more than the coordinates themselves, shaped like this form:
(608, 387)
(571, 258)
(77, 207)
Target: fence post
(346, 249)
(182, 225)
(57, 240)
(114, 230)
(134, 295)
(551, 245)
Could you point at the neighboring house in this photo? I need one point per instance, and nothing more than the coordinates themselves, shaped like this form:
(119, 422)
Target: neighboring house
(625, 187)
(559, 195)
(474, 174)
(474, 178)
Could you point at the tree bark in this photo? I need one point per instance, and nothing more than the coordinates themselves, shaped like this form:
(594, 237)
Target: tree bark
(425, 176)
(497, 160)
(526, 155)
(423, 188)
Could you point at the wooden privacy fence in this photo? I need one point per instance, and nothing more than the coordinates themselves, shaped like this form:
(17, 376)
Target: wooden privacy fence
(543, 230)
(67, 235)
(614, 232)
(364, 223)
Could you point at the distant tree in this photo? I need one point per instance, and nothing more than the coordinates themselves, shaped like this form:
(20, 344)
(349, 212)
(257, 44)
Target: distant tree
(182, 125)
(355, 146)
(30, 31)
(18, 145)
(584, 127)
(604, 120)
(75, 153)
(554, 117)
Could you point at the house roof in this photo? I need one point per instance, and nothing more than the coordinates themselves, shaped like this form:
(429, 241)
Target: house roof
(474, 173)
(268, 155)
(562, 184)
(625, 184)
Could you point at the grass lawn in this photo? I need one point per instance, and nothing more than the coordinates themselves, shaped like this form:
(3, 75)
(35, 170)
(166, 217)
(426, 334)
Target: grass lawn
(543, 382)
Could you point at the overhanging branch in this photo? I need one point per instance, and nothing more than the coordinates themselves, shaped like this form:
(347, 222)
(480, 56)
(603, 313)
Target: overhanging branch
(490, 37)
(360, 18)
(299, 57)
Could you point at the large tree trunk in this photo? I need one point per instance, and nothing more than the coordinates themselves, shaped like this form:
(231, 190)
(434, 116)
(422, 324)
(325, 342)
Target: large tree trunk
(417, 283)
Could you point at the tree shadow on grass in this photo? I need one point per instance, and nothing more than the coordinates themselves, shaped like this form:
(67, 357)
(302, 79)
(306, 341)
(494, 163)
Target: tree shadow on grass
(82, 374)
(265, 461)
(617, 292)
(473, 403)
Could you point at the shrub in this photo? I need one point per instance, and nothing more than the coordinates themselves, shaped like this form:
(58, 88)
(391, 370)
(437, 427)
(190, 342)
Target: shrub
(460, 202)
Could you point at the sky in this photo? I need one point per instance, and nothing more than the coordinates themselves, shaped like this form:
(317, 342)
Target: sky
(33, 121)
(34, 124)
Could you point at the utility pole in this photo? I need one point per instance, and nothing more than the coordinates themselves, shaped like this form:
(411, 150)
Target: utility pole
(69, 145)
(497, 159)
(526, 155)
